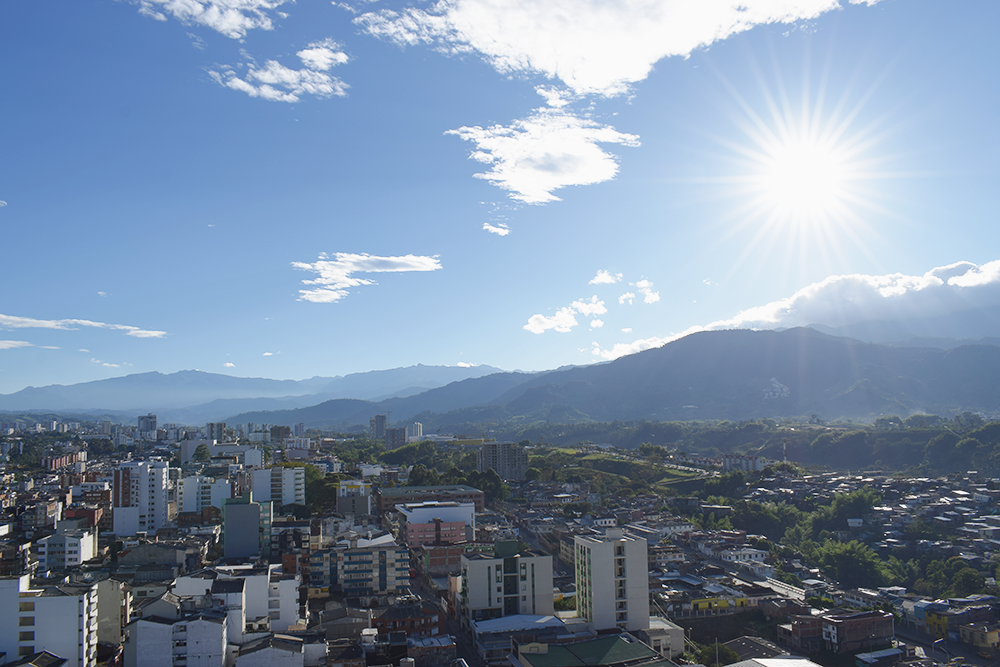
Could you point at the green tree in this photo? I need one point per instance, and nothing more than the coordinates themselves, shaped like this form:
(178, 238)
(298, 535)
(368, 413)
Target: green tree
(716, 655)
(201, 453)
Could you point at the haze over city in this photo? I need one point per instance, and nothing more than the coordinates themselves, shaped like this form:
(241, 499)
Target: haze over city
(275, 189)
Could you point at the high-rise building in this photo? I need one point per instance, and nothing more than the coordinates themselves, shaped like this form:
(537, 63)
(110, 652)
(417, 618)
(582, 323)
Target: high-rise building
(147, 425)
(215, 431)
(282, 486)
(414, 432)
(140, 497)
(377, 426)
(299, 430)
(612, 581)
(505, 584)
(508, 459)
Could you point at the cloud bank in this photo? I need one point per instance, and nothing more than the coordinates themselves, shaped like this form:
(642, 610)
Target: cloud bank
(277, 83)
(844, 300)
(336, 275)
(14, 322)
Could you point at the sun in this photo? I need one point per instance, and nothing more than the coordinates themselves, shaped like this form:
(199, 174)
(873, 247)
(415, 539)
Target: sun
(803, 180)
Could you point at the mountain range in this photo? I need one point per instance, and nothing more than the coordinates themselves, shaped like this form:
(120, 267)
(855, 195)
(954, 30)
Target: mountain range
(713, 375)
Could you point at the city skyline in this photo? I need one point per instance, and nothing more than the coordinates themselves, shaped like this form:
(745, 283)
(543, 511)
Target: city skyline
(286, 190)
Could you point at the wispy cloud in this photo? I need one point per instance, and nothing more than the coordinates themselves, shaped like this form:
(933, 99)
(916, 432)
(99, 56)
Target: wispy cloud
(592, 46)
(278, 83)
(232, 18)
(14, 322)
(268, 354)
(605, 278)
(107, 364)
(229, 364)
(627, 297)
(11, 344)
(549, 150)
(336, 275)
(563, 320)
(500, 229)
(2, 203)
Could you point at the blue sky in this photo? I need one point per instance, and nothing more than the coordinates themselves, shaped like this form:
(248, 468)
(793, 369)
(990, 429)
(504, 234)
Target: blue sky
(289, 189)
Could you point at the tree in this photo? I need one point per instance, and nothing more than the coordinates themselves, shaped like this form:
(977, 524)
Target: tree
(533, 474)
(726, 655)
(201, 453)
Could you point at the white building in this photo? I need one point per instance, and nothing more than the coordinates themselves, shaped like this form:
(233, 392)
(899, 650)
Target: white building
(282, 486)
(354, 496)
(141, 497)
(196, 493)
(58, 619)
(196, 641)
(69, 547)
(415, 432)
(506, 584)
(612, 580)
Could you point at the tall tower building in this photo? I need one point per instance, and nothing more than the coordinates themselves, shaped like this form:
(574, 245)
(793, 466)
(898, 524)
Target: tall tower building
(377, 426)
(147, 427)
(612, 581)
(215, 431)
(509, 460)
(395, 437)
(506, 584)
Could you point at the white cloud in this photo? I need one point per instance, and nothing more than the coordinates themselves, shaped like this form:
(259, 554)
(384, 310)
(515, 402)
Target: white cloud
(708, 281)
(336, 275)
(645, 288)
(268, 354)
(550, 149)
(593, 307)
(554, 97)
(11, 344)
(627, 330)
(596, 324)
(84, 350)
(278, 83)
(102, 294)
(14, 322)
(464, 364)
(605, 278)
(106, 364)
(2, 203)
(563, 321)
(500, 229)
(232, 18)
(621, 349)
(592, 46)
(229, 364)
(627, 296)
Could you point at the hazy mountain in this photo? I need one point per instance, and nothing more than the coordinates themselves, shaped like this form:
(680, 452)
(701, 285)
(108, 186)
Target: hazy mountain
(187, 392)
(732, 375)
(963, 327)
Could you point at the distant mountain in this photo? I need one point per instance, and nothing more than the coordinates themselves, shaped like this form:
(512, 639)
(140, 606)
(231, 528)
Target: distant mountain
(733, 375)
(188, 392)
(963, 327)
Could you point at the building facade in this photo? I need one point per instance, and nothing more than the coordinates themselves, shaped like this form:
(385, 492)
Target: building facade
(505, 583)
(508, 459)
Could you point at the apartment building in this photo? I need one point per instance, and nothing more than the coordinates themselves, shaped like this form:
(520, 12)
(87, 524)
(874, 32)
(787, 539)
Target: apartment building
(58, 619)
(505, 583)
(141, 497)
(508, 459)
(612, 580)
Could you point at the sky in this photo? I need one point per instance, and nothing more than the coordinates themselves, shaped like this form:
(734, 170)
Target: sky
(268, 188)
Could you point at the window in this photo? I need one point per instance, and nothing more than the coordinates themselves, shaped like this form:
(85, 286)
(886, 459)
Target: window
(26, 606)
(26, 650)
(26, 621)
(26, 636)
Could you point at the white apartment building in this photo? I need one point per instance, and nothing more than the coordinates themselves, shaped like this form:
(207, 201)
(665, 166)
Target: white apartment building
(282, 486)
(141, 497)
(58, 619)
(69, 547)
(612, 580)
(196, 493)
(505, 584)
(196, 641)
